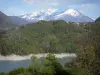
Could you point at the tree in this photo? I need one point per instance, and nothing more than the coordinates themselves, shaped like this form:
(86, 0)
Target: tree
(53, 63)
(19, 71)
(88, 52)
(3, 45)
(53, 42)
(96, 43)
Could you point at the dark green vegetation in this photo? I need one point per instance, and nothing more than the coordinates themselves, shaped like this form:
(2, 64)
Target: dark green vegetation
(41, 37)
(49, 66)
(89, 50)
(56, 37)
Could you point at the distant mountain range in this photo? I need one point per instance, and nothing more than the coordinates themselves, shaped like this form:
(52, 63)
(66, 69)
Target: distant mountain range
(71, 15)
(10, 21)
(17, 20)
(54, 14)
(5, 21)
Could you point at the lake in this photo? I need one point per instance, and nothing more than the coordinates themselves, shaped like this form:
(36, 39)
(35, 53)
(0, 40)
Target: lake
(6, 66)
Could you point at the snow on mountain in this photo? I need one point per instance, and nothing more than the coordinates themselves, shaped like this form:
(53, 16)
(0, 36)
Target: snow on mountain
(39, 15)
(70, 12)
(55, 14)
(73, 12)
(50, 11)
(73, 16)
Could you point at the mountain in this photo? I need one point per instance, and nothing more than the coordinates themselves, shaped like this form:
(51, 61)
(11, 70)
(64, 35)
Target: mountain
(11, 21)
(39, 15)
(73, 16)
(57, 14)
(38, 37)
(17, 20)
(97, 20)
(5, 21)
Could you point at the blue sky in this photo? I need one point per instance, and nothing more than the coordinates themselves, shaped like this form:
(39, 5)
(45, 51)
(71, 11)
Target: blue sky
(89, 8)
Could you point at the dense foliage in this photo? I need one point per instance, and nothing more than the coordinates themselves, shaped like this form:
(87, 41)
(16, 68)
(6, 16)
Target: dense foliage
(88, 49)
(42, 37)
(49, 66)
(56, 37)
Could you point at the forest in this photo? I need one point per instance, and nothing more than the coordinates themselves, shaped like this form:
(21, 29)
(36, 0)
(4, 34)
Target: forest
(55, 37)
(41, 37)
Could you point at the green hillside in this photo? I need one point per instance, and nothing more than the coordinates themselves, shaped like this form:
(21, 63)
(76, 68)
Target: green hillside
(43, 37)
(57, 37)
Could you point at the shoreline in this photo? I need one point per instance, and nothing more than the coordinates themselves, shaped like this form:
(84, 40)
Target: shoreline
(14, 57)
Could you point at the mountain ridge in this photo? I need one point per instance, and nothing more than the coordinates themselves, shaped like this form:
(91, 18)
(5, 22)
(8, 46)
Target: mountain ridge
(72, 15)
(5, 21)
(97, 20)
(18, 20)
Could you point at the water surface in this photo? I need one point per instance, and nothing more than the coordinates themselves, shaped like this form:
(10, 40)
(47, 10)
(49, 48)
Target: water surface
(6, 66)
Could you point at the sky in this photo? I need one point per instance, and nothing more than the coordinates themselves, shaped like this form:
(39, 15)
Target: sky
(89, 8)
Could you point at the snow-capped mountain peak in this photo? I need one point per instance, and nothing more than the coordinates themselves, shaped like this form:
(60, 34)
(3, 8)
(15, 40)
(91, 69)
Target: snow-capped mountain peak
(50, 11)
(73, 12)
(39, 15)
(55, 14)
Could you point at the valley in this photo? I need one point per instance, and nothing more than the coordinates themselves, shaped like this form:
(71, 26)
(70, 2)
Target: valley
(51, 42)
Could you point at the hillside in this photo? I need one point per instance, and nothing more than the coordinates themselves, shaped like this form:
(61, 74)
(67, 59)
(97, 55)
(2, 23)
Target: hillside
(57, 37)
(18, 21)
(5, 21)
(97, 20)
(43, 37)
